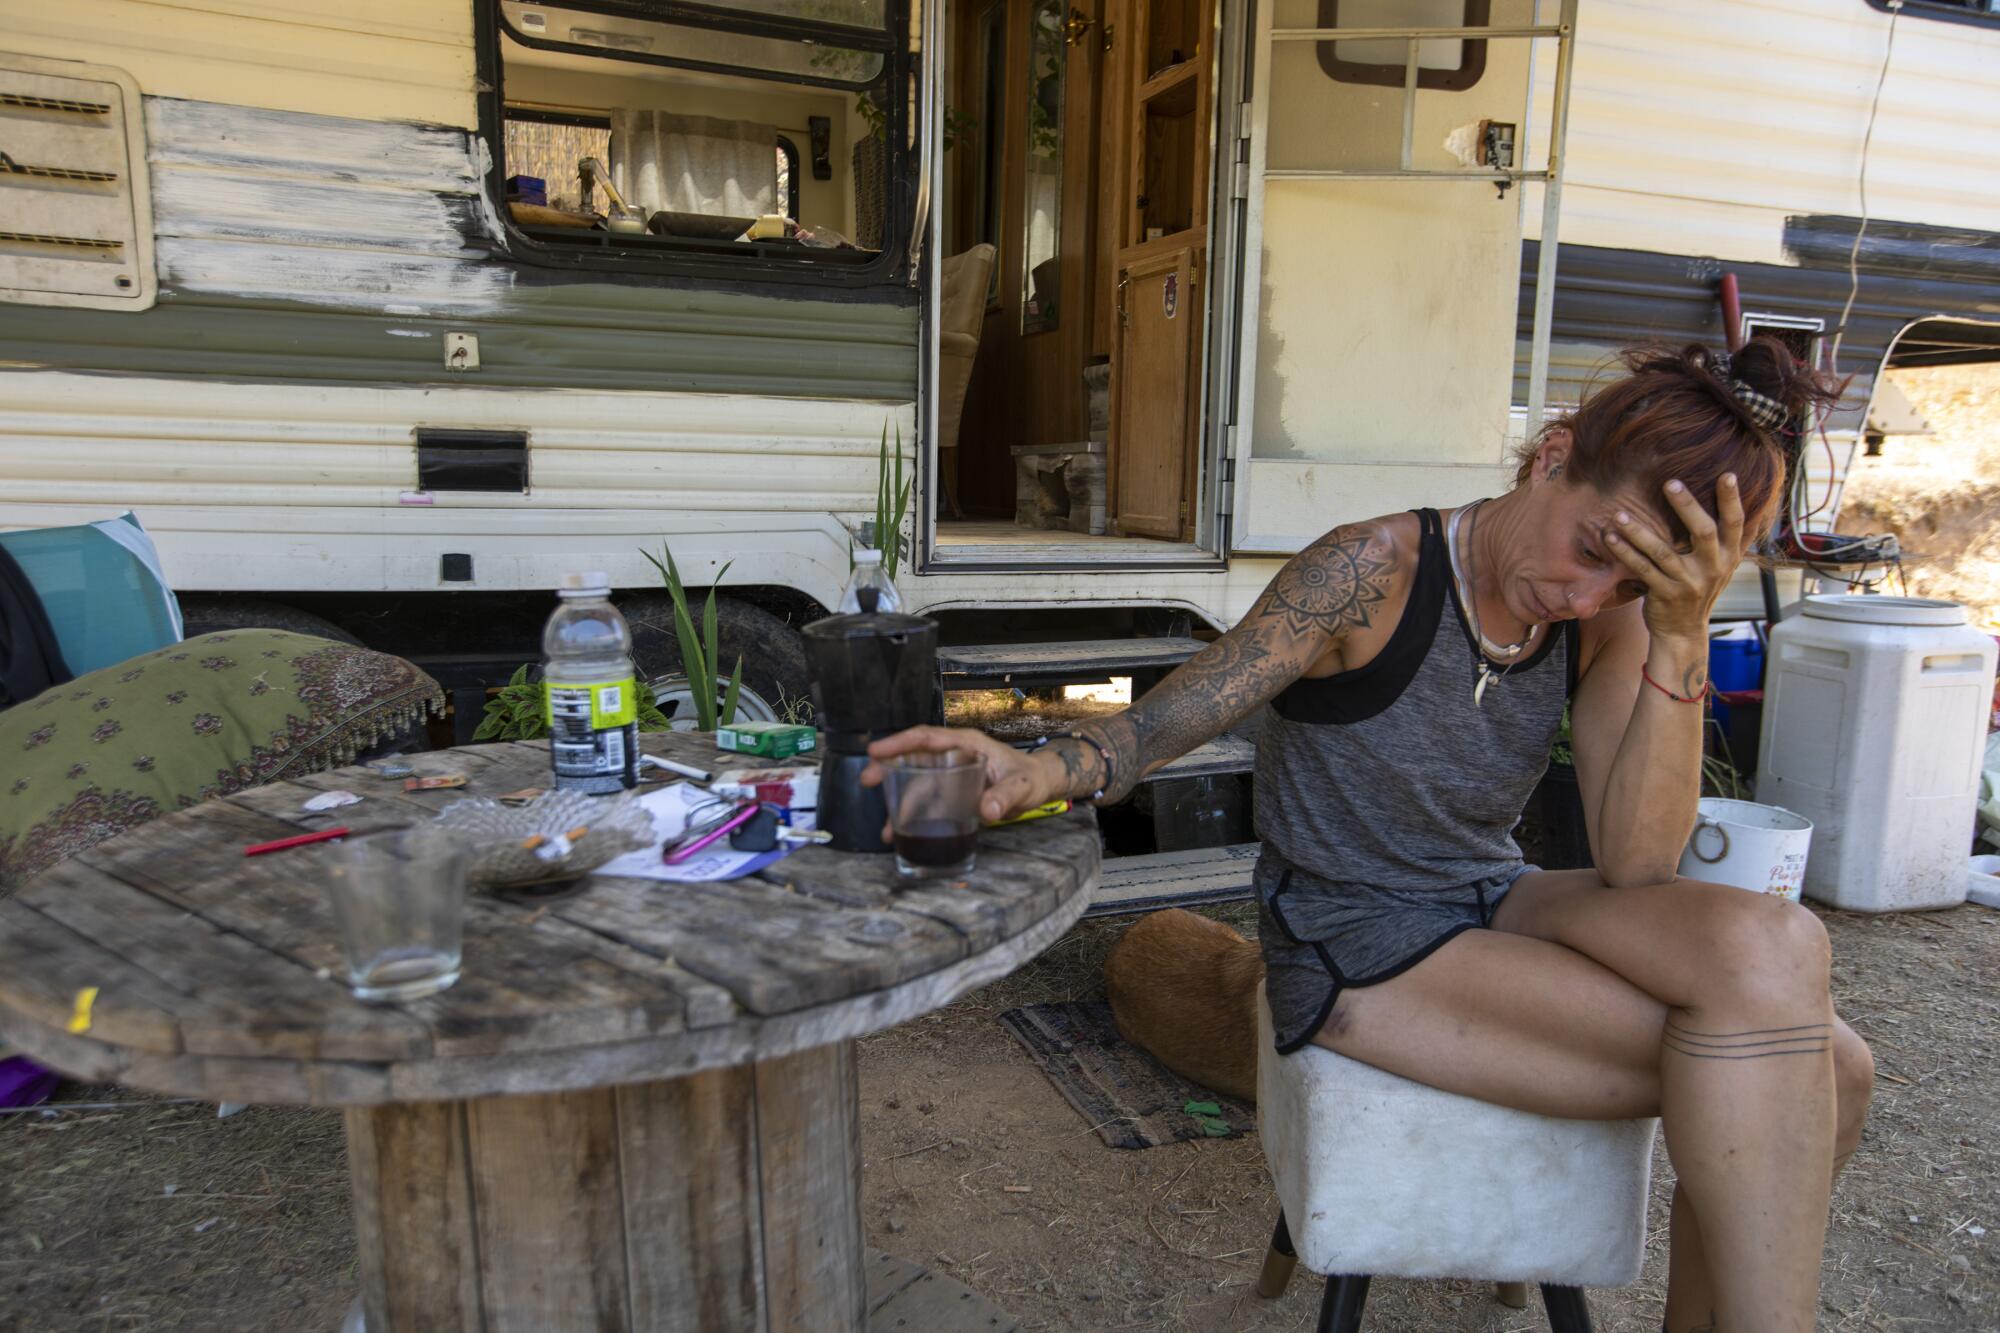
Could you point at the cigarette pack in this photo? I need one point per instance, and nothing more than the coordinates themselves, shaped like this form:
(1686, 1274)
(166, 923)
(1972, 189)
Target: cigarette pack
(792, 788)
(772, 740)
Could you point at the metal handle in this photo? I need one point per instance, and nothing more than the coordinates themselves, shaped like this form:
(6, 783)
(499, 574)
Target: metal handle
(1077, 27)
(1694, 842)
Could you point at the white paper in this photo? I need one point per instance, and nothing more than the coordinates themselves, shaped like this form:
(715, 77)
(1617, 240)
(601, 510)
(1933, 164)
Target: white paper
(669, 807)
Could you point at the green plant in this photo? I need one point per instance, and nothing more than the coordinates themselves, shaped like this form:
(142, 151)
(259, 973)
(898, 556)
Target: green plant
(872, 115)
(958, 127)
(892, 503)
(699, 651)
(1719, 776)
(794, 708)
(519, 711)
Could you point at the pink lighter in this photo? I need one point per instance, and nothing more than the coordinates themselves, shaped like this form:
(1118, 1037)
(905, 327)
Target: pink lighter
(682, 851)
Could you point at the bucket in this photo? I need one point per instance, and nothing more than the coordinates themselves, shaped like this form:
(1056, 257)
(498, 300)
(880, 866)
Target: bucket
(1757, 847)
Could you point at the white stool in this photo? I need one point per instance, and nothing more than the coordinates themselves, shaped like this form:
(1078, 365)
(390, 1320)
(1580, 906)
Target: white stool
(1379, 1175)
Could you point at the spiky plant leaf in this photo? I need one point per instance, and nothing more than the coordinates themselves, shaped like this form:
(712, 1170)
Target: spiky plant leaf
(735, 688)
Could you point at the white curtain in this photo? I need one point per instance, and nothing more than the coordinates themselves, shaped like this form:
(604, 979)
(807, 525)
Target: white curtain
(694, 164)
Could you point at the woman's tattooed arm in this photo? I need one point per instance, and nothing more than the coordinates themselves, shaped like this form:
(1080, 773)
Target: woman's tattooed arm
(1333, 586)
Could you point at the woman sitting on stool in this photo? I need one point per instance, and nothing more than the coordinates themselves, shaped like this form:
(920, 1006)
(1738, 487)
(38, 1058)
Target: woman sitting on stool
(1417, 666)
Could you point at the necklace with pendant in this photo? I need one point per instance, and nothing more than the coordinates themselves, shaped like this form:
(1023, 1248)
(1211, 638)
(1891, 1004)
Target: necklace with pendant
(1468, 600)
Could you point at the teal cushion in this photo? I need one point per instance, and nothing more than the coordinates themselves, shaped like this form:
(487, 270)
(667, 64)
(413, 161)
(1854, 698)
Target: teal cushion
(101, 586)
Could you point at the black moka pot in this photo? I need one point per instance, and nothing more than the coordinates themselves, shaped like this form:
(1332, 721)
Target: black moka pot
(872, 675)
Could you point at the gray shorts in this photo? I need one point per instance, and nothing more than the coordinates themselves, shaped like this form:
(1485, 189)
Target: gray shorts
(1320, 936)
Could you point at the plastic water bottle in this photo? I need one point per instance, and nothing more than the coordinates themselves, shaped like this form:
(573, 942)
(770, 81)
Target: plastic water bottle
(588, 682)
(869, 589)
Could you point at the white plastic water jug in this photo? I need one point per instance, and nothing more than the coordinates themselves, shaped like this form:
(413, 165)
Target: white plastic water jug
(1875, 713)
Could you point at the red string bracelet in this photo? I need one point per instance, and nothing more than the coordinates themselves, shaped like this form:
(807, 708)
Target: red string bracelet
(1707, 688)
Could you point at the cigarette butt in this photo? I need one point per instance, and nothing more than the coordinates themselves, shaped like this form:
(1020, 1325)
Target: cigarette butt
(529, 844)
(1017, 1189)
(577, 832)
(433, 784)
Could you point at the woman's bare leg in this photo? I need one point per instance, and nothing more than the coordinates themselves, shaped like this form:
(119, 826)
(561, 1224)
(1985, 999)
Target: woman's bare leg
(1690, 1290)
(1579, 1030)
(1744, 1043)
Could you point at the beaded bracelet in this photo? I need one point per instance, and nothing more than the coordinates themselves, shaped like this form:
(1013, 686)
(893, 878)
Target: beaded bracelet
(1707, 688)
(1041, 741)
(1102, 753)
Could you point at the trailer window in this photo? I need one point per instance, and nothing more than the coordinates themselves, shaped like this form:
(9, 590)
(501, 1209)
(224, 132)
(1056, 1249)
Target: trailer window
(1451, 64)
(666, 135)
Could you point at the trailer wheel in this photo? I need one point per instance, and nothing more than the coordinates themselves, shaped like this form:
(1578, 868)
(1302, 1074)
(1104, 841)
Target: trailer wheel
(776, 686)
(206, 616)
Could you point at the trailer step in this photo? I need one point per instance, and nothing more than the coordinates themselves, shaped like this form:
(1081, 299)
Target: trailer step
(967, 665)
(1224, 754)
(1174, 879)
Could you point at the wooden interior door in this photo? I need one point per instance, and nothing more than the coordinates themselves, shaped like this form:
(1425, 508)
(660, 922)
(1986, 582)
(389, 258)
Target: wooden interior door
(1162, 160)
(1156, 319)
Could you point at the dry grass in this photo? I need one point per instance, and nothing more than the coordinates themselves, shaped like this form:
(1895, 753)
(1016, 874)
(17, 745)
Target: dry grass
(1170, 1238)
(1940, 494)
(953, 1114)
(162, 1216)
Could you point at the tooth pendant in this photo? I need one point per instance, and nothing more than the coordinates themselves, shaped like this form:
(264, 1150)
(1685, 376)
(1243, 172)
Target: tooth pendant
(1479, 689)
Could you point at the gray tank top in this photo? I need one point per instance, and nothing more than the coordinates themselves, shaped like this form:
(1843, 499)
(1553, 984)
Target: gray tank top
(1389, 775)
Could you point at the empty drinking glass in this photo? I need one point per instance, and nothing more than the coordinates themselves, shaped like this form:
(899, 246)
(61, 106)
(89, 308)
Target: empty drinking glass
(934, 812)
(398, 899)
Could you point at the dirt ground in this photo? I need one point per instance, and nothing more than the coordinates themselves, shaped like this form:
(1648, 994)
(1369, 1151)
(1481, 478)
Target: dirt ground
(156, 1214)
(161, 1216)
(1940, 493)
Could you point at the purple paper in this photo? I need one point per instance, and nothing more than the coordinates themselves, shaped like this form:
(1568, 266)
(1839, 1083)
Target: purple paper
(25, 1083)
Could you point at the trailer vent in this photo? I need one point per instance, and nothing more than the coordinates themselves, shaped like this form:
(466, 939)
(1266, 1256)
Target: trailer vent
(76, 217)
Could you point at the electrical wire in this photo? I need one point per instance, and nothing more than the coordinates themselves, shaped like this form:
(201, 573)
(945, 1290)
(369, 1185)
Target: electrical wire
(1861, 230)
(1798, 509)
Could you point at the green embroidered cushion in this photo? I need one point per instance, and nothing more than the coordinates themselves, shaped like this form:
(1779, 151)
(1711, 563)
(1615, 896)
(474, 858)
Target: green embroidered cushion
(192, 721)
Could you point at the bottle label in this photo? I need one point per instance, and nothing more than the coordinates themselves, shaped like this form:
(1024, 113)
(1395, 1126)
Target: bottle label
(593, 733)
(607, 703)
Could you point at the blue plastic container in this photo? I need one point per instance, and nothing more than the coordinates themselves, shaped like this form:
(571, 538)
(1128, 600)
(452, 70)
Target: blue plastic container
(1736, 664)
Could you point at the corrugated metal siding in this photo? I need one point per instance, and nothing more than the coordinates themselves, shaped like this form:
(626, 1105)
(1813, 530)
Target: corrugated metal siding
(270, 486)
(379, 59)
(1607, 299)
(1717, 119)
(314, 248)
(590, 337)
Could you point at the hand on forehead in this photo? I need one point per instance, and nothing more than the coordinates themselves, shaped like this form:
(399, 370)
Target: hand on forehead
(1651, 514)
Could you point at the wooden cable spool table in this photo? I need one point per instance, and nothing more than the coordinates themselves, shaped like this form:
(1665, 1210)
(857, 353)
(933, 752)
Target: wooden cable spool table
(636, 1109)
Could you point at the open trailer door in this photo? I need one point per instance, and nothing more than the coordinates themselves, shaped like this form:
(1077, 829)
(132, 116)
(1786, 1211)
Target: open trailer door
(1382, 255)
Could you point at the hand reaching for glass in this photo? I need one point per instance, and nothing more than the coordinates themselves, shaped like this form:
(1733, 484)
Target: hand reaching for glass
(1016, 780)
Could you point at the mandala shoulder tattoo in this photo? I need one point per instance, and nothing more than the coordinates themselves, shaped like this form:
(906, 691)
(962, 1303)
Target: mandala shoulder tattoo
(1335, 584)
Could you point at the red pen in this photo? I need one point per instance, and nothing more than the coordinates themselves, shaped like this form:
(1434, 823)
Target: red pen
(282, 844)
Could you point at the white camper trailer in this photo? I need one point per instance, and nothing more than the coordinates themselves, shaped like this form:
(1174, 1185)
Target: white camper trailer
(382, 316)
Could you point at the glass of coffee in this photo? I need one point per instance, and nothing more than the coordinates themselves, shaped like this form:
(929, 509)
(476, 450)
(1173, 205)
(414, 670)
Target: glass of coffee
(934, 812)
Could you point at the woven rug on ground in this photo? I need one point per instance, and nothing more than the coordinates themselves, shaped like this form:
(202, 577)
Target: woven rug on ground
(1128, 1097)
